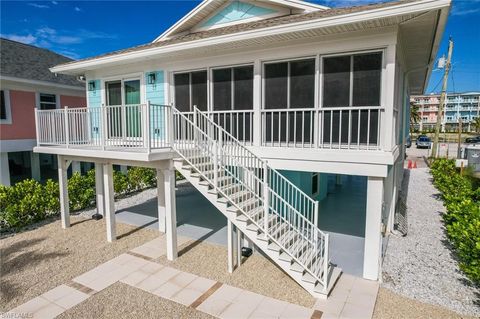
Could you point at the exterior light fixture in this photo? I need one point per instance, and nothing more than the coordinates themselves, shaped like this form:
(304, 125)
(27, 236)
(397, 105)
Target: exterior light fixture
(91, 85)
(151, 78)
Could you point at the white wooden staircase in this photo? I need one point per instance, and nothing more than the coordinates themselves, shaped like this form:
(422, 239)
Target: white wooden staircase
(267, 208)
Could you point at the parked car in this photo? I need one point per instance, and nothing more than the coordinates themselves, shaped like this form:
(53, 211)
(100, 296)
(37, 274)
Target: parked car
(423, 141)
(473, 140)
(408, 142)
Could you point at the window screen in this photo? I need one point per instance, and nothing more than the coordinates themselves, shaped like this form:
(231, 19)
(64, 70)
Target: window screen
(243, 86)
(222, 89)
(336, 81)
(276, 85)
(302, 83)
(48, 101)
(366, 79)
(190, 90)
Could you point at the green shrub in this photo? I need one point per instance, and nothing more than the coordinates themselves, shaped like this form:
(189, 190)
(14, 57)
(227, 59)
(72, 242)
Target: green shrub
(462, 219)
(81, 190)
(27, 202)
(141, 177)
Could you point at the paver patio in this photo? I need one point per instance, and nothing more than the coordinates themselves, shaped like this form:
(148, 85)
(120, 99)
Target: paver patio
(352, 297)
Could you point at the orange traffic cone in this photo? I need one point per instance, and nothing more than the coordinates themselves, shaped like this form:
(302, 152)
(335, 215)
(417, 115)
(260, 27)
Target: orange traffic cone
(415, 164)
(409, 166)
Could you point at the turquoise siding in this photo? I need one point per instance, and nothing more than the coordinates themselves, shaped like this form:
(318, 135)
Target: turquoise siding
(303, 180)
(235, 11)
(155, 93)
(95, 100)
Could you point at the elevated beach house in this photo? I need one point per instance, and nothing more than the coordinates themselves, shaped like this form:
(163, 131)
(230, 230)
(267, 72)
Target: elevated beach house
(288, 116)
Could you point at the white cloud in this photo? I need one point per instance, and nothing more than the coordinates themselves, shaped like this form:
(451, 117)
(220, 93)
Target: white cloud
(39, 6)
(462, 8)
(77, 9)
(27, 39)
(54, 2)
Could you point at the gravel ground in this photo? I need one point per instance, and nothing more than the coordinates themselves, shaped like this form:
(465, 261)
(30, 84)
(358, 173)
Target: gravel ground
(394, 306)
(421, 266)
(123, 301)
(37, 260)
(256, 274)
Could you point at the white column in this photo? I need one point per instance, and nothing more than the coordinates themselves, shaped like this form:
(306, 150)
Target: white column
(109, 202)
(257, 102)
(238, 243)
(386, 136)
(35, 165)
(99, 188)
(161, 200)
(62, 182)
(4, 169)
(171, 212)
(373, 237)
(76, 167)
(230, 245)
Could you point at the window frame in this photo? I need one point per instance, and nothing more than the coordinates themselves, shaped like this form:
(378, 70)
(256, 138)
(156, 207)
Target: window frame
(8, 110)
(122, 79)
(288, 60)
(210, 86)
(351, 54)
(189, 71)
(38, 102)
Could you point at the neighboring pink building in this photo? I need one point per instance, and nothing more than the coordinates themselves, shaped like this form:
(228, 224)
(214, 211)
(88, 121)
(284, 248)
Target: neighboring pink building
(26, 82)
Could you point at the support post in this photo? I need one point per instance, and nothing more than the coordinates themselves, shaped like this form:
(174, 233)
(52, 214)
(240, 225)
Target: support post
(171, 212)
(64, 201)
(109, 202)
(230, 245)
(161, 200)
(4, 169)
(147, 127)
(238, 243)
(373, 236)
(35, 166)
(99, 189)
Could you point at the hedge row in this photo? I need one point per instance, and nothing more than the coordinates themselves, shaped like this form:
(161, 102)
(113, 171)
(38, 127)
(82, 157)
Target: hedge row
(462, 219)
(29, 201)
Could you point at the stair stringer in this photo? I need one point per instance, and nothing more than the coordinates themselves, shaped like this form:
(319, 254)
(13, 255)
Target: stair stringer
(253, 236)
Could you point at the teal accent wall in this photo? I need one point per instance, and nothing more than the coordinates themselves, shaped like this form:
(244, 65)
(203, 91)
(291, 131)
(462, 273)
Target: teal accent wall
(155, 93)
(303, 180)
(236, 11)
(94, 100)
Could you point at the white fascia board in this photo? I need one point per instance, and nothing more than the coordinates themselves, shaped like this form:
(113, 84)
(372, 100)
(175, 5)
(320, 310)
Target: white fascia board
(179, 23)
(41, 83)
(441, 24)
(111, 156)
(303, 5)
(408, 8)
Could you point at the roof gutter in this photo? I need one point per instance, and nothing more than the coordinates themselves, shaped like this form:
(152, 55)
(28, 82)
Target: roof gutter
(407, 8)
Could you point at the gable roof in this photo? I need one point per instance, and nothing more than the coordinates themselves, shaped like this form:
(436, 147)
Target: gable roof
(207, 7)
(28, 62)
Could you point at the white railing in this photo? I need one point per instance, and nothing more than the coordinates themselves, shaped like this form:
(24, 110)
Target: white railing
(334, 127)
(238, 123)
(286, 214)
(136, 127)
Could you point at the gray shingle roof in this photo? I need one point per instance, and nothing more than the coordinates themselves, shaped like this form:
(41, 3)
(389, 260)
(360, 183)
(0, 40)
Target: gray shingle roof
(32, 63)
(256, 25)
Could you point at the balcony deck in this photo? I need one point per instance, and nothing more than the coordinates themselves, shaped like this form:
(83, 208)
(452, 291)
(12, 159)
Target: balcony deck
(147, 132)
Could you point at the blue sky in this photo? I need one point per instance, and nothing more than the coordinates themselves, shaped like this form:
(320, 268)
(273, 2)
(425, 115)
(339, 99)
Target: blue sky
(80, 29)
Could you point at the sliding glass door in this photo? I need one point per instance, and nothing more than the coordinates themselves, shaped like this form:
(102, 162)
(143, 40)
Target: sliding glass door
(124, 112)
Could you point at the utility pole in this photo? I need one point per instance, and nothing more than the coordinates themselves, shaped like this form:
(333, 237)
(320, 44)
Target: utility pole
(441, 105)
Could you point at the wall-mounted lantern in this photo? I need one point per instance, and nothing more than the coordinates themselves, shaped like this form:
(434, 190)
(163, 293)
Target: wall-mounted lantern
(91, 85)
(151, 78)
